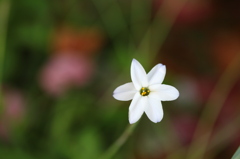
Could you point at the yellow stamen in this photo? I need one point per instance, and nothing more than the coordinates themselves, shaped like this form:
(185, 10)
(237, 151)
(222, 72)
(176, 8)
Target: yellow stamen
(144, 91)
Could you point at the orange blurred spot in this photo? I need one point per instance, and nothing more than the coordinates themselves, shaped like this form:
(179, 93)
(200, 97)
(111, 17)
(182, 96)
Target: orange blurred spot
(85, 41)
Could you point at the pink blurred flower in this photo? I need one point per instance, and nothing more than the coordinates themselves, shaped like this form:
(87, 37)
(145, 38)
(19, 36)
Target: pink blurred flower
(3, 130)
(65, 70)
(13, 110)
(13, 102)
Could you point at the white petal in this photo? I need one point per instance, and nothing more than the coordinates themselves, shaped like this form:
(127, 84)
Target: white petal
(138, 75)
(154, 110)
(157, 74)
(124, 92)
(163, 92)
(136, 108)
(155, 95)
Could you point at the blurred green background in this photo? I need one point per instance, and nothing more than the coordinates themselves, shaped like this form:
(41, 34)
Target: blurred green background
(61, 60)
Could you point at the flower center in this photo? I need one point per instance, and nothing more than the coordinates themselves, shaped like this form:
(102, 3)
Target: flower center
(144, 91)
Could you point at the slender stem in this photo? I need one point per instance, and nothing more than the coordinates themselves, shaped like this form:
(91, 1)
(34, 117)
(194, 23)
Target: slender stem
(4, 13)
(212, 109)
(119, 142)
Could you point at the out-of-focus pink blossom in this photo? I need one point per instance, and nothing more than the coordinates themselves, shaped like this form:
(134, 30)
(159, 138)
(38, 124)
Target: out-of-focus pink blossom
(13, 110)
(65, 70)
(13, 102)
(3, 130)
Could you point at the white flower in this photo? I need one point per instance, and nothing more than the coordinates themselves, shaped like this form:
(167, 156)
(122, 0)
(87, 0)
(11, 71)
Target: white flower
(147, 92)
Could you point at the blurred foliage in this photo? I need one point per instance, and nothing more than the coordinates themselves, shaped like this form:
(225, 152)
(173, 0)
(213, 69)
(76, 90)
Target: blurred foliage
(83, 120)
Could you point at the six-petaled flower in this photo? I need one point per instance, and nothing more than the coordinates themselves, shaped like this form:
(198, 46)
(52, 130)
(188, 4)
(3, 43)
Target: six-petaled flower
(146, 92)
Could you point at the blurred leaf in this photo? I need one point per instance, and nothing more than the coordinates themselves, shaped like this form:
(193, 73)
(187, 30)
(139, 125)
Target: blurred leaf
(14, 153)
(237, 154)
(66, 111)
(87, 145)
(29, 25)
(35, 35)
(140, 18)
(69, 118)
(112, 17)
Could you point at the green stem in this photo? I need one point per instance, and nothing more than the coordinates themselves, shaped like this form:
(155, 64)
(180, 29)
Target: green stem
(119, 142)
(4, 13)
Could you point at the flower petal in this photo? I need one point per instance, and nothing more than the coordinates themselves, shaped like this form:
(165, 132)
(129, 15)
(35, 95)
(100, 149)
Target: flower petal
(124, 92)
(154, 110)
(157, 74)
(136, 108)
(138, 75)
(163, 92)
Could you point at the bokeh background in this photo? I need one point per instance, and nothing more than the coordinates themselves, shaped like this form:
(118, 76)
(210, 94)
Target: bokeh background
(61, 60)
